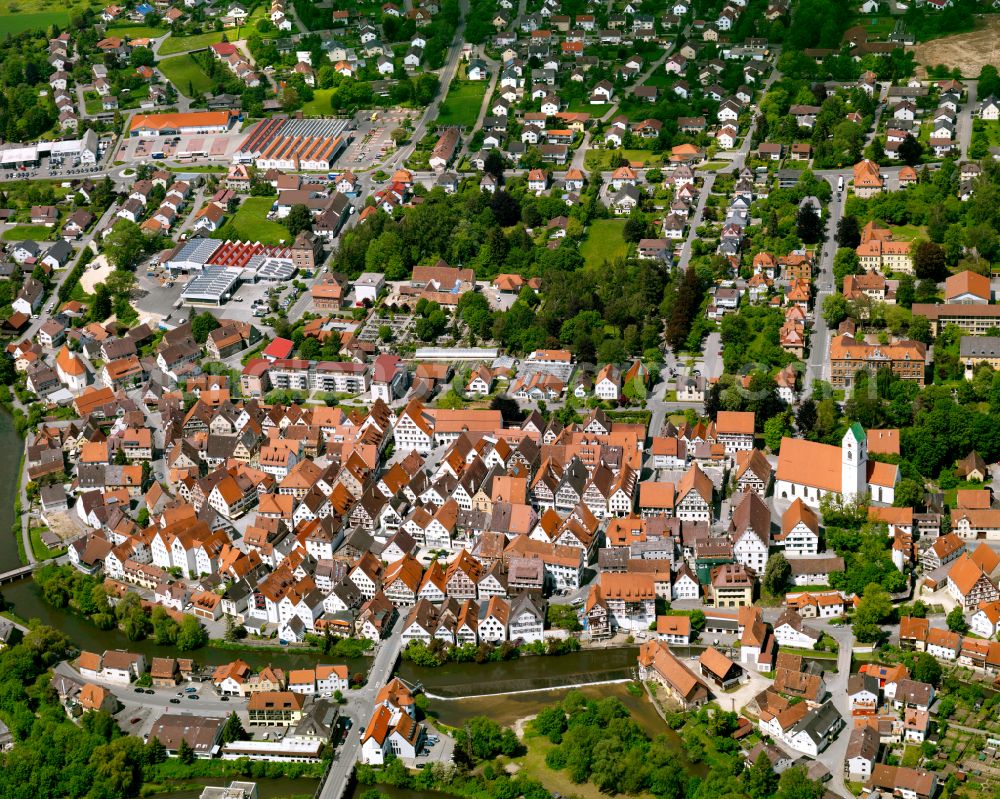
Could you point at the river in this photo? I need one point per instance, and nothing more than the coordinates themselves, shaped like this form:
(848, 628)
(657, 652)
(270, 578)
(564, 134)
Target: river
(13, 445)
(26, 598)
(526, 673)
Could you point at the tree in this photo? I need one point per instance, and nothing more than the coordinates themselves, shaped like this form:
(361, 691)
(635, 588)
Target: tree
(191, 635)
(835, 309)
(808, 224)
(805, 420)
(156, 752)
(874, 608)
(203, 324)
(759, 780)
(926, 669)
(845, 262)
(120, 282)
(636, 228)
(956, 621)
(233, 729)
(929, 261)
(698, 621)
(185, 753)
(164, 627)
(506, 209)
(132, 618)
(776, 574)
(494, 165)
(299, 218)
(776, 428)
(910, 150)
(124, 245)
(848, 232)
(795, 784)
(909, 494)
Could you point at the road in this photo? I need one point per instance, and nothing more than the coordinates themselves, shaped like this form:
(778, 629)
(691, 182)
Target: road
(695, 221)
(448, 73)
(819, 340)
(833, 757)
(964, 126)
(359, 709)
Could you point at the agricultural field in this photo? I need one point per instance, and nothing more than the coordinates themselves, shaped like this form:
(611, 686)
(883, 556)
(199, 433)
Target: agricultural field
(461, 106)
(970, 52)
(18, 23)
(604, 242)
(250, 223)
(188, 78)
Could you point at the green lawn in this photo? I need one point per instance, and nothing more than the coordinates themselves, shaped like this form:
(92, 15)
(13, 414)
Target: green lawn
(909, 232)
(198, 41)
(41, 551)
(30, 232)
(14, 23)
(600, 159)
(461, 106)
(184, 72)
(319, 106)
(137, 31)
(604, 242)
(250, 223)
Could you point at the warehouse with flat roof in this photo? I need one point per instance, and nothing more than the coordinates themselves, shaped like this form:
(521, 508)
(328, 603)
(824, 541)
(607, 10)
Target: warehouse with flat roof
(215, 285)
(282, 143)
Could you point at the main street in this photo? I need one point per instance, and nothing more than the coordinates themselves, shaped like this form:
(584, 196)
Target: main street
(359, 708)
(819, 340)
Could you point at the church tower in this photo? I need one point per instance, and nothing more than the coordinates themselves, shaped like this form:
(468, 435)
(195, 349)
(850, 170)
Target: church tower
(854, 463)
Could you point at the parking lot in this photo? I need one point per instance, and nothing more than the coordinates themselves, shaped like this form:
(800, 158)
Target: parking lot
(60, 167)
(208, 148)
(372, 139)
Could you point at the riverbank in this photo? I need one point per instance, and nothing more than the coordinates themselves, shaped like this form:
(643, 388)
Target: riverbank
(12, 551)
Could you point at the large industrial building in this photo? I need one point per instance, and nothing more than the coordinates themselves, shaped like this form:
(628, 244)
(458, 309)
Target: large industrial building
(86, 148)
(293, 144)
(214, 286)
(188, 124)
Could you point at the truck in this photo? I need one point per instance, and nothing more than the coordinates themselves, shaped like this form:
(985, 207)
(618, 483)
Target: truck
(840, 184)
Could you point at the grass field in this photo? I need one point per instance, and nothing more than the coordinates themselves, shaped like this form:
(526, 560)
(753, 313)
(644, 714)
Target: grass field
(600, 159)
(319, 105)
(178, 44)
(18, 23)
(909, 232)
(250, 223)
(184, 72)
(29, 232)
(137, 31)
(461, 106)
(604, 242)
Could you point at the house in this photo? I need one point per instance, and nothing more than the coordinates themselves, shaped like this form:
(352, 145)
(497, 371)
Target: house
(902, 781)
(790, 630)
(862, 748)
(986, 620)
(970, 584)
(659, 664)
(719, 669)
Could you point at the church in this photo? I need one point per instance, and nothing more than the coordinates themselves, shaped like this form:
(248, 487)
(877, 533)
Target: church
(809, 470)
